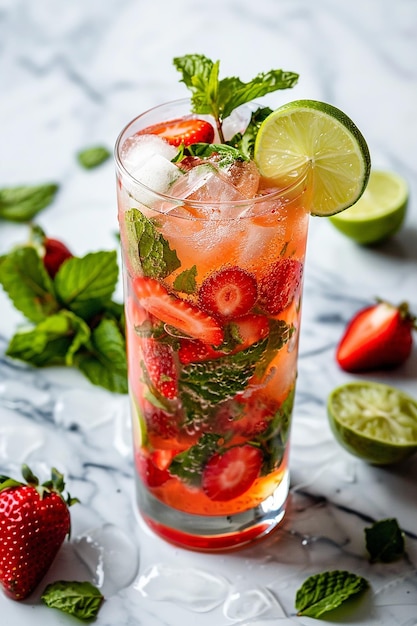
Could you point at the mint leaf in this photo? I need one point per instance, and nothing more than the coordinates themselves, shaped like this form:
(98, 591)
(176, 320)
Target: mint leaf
(385, 541)
(80, 599)
(148, 252)
(186, 281)
(273, 440)
(54, 341)
(324, 592)
(245, 143)
(220, 97)
(21, 204)
(105, 362)
(188, 465)
(27, 283)
(205, 385)
(279, 334)
(93, 157)
(228, 154)
(84, 285)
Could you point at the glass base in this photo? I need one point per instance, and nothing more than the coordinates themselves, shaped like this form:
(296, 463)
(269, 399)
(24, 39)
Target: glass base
(213, 533)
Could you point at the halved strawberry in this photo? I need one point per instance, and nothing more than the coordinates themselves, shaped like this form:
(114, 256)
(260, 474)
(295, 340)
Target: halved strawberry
(377, 337)
(228, 293)
(182, 131)
(180, 314)
(247, 330)
(281, 284)
(160, 366)
(159, 422)
(230, 474)
(151, 474)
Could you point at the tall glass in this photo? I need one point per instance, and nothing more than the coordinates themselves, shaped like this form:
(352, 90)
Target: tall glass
(211, 385)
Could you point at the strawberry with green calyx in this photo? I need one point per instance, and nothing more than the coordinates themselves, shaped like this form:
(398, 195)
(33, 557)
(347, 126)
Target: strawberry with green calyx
(377, 337)
(53, 251)
(34, 521)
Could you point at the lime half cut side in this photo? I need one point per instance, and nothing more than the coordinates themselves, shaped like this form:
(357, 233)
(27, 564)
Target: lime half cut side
(313, 139)
(373, 421)
(380, 211)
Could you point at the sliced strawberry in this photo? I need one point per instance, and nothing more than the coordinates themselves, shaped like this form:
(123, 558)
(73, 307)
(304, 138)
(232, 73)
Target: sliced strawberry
(247, 330)
(377, 337)
(228, 475)
(247, 417)
(180, 314)
(151, 474)
(159, 422)
(228, 293)
(160, 366)
(281, 284)
(182, 131)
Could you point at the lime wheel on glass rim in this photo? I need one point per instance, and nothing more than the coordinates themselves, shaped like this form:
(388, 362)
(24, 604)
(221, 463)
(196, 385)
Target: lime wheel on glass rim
(374, 421)
(380, 211)
(316, 141)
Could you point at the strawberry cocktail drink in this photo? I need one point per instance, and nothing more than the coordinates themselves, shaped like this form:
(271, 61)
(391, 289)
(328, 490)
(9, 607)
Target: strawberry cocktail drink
(213, 252)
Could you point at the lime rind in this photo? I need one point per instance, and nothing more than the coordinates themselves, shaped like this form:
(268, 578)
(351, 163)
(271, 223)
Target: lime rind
(317, 140)
(375, 422)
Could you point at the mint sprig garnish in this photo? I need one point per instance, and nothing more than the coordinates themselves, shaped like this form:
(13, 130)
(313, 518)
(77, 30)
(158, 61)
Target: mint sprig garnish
(22, 203)
(324, 592)
(74, 321)
(80, 599)
(219, 97)
(385, 541)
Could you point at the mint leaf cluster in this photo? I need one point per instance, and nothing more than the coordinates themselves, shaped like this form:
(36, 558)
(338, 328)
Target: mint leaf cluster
(73, 319)
(219, 97)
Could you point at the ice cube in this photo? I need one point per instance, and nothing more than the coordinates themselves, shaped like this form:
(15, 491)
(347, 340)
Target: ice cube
(192, 181)
(139, 149)
(157, 173)
(244, 175)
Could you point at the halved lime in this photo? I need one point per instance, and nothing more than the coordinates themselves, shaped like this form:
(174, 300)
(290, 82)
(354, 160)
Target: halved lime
(317, 140)
(379, 213)
(375, 422)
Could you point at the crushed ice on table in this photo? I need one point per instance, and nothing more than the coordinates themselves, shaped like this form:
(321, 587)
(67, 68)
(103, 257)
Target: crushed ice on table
(79, 409)
(110, 555)
(252, 603)
(195, 589)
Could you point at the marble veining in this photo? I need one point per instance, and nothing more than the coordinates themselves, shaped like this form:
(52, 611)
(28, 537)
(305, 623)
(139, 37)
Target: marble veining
(74, 75)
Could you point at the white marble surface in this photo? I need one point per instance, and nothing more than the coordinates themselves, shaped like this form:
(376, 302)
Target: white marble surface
(71, 75)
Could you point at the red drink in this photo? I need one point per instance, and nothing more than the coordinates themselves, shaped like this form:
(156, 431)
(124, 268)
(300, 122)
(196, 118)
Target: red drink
(213, 263)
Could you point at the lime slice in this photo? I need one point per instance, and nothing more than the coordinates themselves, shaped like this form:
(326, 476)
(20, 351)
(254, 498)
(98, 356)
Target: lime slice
(375, 422)
(379, 213)
(317, 140)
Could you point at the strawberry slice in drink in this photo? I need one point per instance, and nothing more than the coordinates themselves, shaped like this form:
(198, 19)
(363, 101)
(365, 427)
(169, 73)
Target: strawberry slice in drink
(228, 293)
(280, 285)
(182, 315)
(182, 131)
(249, 329)
(229, 475)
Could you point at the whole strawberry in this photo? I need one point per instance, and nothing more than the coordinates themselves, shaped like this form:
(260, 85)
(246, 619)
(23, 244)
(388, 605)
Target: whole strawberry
(377, 337)
(56, 252)
(34, 521)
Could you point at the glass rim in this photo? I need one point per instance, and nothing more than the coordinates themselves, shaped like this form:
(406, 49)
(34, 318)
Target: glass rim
(277, 193)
